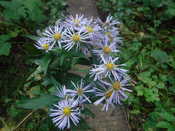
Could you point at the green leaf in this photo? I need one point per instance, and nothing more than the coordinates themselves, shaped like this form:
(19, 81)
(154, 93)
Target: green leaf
(173, 110)
(62, 58)
(146, 78)
(136, 112)
(23, 9)
(5, 48)
(4, 45)
(34, 5)
(151, 94)
(171, 10)
(140, 90)
(167, 116)
(13, 111)
(14, 6)
(160, 56)
(163, 124)
(32, 37)
(50, 80)
(38, 103)
(44, 62)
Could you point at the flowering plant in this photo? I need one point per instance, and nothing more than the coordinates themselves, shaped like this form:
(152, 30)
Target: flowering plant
(97, 42)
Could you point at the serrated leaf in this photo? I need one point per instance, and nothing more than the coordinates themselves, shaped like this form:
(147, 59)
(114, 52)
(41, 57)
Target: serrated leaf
(151, 94)
(14, 6)
(23, 9)
(36, 6)
(146, 78)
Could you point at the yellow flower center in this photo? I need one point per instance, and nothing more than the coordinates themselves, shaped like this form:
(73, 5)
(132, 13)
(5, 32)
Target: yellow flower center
(110, 66)
(76, 21)
(57, 36)
(108, 94)
(76, 37)
(108, 33)
(89, 29)
(116, 85)
(45, 46)
(106, 50)
(80, 91)
(67, 111)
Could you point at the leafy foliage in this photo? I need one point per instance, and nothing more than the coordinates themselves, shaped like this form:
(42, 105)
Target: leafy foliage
(4, 45)
(38, 103)
(23, 9)
(18, 20)
(148, 28)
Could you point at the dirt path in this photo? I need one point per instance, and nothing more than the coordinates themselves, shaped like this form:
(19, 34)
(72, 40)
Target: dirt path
(86, 7)
(114, 119)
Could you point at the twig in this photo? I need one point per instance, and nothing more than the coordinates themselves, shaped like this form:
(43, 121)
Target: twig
(133, 82)
(21, 122)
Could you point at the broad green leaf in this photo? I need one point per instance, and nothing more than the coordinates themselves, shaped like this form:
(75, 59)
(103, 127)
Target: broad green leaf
(33, 37)
(160, 56)
(146, 78)
(38, 103)
(160, 85)
(14, 6)
(173, 110)
(167, 116)
(44, 62)
(171, 10)
(151, 94)
(4, 38)
(34, 5)
(50, 80)
(140, 90)
(136, 112)
(5, 48)
(4, 45)
(23, 9)
(163, 124)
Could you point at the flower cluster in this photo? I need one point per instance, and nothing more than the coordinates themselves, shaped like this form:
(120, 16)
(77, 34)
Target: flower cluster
(68, 110)
(110, 80)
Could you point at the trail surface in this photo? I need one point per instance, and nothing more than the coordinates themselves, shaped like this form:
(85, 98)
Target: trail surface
(114, 119)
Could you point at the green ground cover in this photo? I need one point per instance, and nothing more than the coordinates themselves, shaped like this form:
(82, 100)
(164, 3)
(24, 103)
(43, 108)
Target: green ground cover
(19, 21)
(148, 30)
